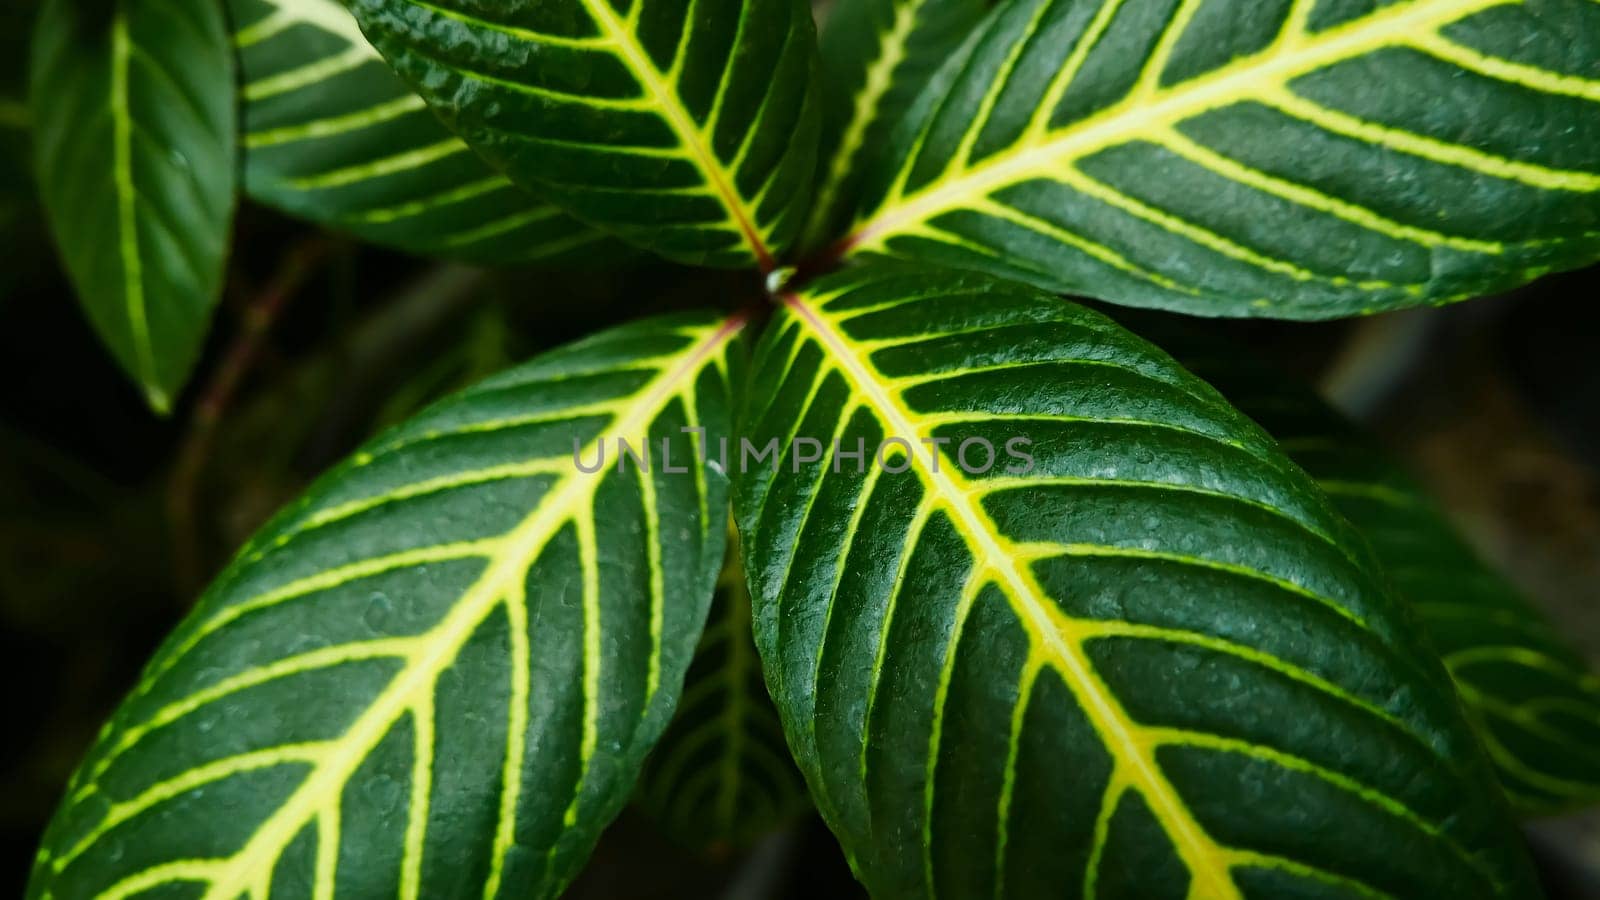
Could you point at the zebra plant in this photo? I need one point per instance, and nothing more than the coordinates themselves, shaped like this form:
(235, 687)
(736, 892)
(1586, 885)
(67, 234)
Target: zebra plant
(1040, 612)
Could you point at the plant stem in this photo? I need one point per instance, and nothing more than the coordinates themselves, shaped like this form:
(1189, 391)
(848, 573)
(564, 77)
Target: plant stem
(258, 317)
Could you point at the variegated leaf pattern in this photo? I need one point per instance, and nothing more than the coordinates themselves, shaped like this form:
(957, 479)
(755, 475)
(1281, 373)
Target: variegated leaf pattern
(133, 138)
(876, 56)
(1153, 663)
(438, 674)
(685, 126)
(1534, 700)
(721, 776)
(1285, 158)
(331, 135)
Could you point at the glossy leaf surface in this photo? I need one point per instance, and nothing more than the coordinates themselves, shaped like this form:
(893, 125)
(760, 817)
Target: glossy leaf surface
(1289, 158)
(722, 776)
(330, 134)
(438, 674)
(1154, 663)
(132, 107)
(876, 56)
(687, 128)
(1535, 702)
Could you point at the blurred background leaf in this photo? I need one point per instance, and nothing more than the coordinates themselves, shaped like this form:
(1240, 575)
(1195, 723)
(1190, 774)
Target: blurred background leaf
(721, 777)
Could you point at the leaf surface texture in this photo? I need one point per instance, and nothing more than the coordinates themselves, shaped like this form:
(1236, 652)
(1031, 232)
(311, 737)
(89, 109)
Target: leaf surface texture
(439, 673)
(1155, 664)
(689, 128)
(1288, 158)
(330, 134)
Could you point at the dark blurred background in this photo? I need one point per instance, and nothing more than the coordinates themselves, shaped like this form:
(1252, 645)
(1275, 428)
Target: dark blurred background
(111, 520)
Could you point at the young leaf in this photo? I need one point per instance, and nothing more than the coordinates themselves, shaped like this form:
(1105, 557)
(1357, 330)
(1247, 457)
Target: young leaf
(876, 57)
(133, 136)
(1535, 703)
(1292, 158)
(687, 128)
(438, 674)
(721, 776)
(1138, 656)
(332, 135)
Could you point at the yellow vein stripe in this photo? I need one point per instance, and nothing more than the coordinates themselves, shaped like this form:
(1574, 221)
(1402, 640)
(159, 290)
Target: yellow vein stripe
(1150, 74)
(401, 162)
(1152, 113)
(1518, 74)
(512, 222)
(1039, 124)
(182, 871)
(333, 126)
(1092, 249)
(525, 34)
(516, 735)
(979, 578)
(264, 28)
(1008, 783)
(969, 138)
(1110, 798)
(325, 657)
(1428, 148)
(127, 216)
(323, 16)
(451, 197)
(1053, 634)
(217, 770)
(422, 716)
(864, 110)
(1317, 200)
(308, 74)
(650, 510)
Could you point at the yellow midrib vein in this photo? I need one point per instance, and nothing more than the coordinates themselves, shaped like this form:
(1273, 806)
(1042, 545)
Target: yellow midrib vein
(127, 215)
(640, 64)
(441, 643)
(1204, 858)
(1132, 117)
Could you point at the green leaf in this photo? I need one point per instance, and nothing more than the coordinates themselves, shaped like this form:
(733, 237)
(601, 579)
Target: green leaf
(438, 674)
(1154, 664)
(876, 56)
(1535, 702)
(1290, 158)
(721, 776)
(133, 134)
(686, 128)
(330, 134)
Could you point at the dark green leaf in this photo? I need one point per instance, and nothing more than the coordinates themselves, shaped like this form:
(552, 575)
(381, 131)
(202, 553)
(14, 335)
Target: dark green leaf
(876, 56)
(1154, 664)
(1535, 703)
(687, 128)
(332, 135)
(1288, 158)
(721, 775)
(133, 133)
(438, 674)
